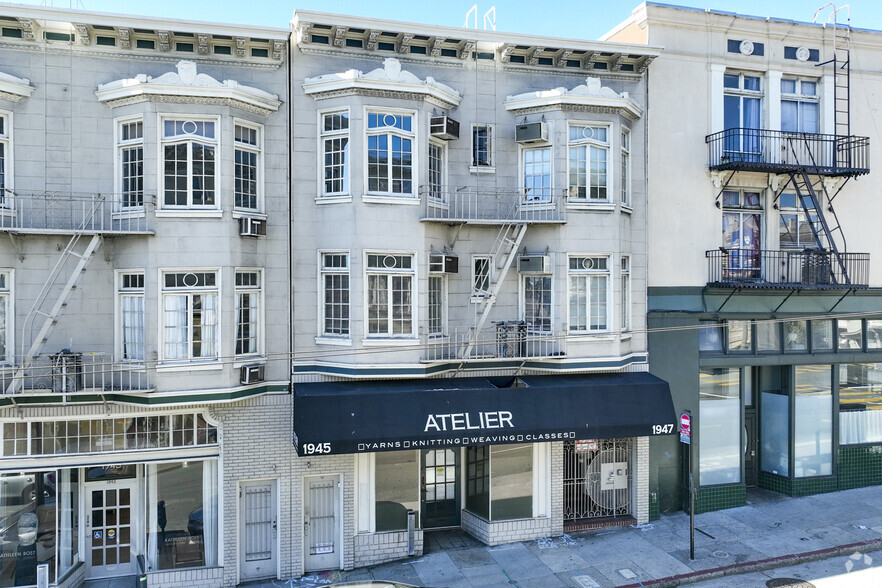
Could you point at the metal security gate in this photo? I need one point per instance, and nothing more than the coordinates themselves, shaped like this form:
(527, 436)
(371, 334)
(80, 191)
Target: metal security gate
(597, 479)
(321, 523)
(258, 530)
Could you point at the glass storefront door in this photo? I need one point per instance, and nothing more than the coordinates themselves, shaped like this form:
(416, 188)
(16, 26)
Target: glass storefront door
(440, 491)
(109, 527)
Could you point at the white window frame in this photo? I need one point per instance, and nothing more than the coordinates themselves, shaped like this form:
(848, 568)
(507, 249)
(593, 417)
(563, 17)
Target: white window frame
(440, 329)
(626, 293)
(324, 271)
(259, 323)
(586, 274)
(800, 98)
(437, 189)
(257, 150)
(523, 302)
(190, 291)
(333, 135)
(544, 194)
(476, 293)
(216, 143)
(490, 166)
(589, 144)
(391, 272)
(123, 145)
(7, 297)
(123, 291)
(413, 136)
(8, 178)
(795, 210)
(625, 171)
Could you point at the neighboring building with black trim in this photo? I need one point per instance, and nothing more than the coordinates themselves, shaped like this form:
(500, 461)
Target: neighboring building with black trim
(469, 272)
(766, 322)
(143, 298)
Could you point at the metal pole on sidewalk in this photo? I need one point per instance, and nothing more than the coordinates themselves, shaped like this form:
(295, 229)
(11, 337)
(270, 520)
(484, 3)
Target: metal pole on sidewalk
(691, 513)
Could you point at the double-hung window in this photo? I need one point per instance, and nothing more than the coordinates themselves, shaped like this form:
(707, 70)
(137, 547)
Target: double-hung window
(482, 147)
(248, 309)
(436, 305)
(130, 293)
(589, 163)
(742, 101)
(537, 303)
(247, 147)
(626, 293)
(5, 157)
(794, 226)
(390, 138)
(189, 148)
(799, 106)
(481, 275)
(335, 151)
(6, 314)
(742, 233)
(190, 315)
(390, 295)
(589, 293)
(626, 168)
(335, 295)
(537, 174)
(130, 149)
(436, 170)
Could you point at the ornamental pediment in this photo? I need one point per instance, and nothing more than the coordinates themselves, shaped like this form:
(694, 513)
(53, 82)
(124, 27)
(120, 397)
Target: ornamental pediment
(387, 79)
(590, 94)
(14, 88)
(187, 85)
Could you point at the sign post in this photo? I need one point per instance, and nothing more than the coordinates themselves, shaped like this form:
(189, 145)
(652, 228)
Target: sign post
(686, 437)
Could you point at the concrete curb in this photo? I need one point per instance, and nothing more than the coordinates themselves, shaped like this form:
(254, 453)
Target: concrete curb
(760, 565)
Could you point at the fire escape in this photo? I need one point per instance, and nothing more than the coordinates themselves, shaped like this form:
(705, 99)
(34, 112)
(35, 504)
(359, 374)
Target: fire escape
(816, 167)
(84, 222)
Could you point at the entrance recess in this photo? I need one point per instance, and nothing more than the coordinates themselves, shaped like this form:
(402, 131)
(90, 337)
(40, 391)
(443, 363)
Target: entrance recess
(111, 508)
(750, 448)
(440, 488)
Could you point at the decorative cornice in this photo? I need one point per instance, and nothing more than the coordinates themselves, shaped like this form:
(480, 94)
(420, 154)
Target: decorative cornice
(187, 86)
(591, 94)
(13, 88)
(83, 33)
(388, 80)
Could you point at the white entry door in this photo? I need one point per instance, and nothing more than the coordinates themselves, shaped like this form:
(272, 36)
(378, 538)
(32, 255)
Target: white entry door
(321, 523)
(257, 530)
(112, 508)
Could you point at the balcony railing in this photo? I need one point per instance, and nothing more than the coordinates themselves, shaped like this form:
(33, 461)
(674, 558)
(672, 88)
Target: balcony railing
(779, 151)
(492, 206)
(505, 340)
(57, 212)
(75, 374)
(787, 269)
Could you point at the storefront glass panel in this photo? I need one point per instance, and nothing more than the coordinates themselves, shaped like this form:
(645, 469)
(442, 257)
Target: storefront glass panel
(796, 336)
(822, 335)
(851, 337)
(813, 426)
(68, 520)
(182, 515)
(27, 522)
(397, 488)
(860, 403)
(774, 428)
(511, 481)
(768, 336)
(478, 480)
(740, 338)
(719, 430)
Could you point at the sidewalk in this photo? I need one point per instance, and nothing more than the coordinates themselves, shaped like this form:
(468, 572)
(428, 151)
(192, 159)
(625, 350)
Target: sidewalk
(771, 531)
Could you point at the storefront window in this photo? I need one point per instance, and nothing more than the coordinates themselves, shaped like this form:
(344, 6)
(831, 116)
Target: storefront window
(796, 336)
(813, 437)
(874, 334)
(719, 427)
(850, 335)
(182, 515)
(27, 522)
(860, 403)
(774, 431)
(478, 481)
(710, 337)
(740, 336)
(68, 520)
(511, 481)
(768, 336)
(822, 335)
(397, 488)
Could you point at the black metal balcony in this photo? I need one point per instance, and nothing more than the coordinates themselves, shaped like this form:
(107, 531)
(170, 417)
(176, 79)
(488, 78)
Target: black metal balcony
(808, 269)
(778, 152)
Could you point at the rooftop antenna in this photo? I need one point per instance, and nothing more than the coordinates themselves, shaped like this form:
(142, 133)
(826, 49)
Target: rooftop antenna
(472, 10)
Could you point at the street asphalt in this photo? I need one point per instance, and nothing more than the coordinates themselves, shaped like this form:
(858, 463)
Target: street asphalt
(771, 531)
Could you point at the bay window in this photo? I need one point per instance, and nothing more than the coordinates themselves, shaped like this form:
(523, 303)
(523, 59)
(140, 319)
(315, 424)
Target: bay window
(189, 148)
(588, 293)
(588, 163)
(390, 295)
(390, 138)
(335, 151)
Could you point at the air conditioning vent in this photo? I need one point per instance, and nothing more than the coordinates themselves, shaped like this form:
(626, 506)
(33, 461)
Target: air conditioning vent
(534, 264)
(534, 132)
(443, 264)
(251, 227)
(251, 374)
(444, 127)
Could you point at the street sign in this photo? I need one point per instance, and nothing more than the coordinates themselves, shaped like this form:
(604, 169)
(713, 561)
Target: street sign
(685, 428)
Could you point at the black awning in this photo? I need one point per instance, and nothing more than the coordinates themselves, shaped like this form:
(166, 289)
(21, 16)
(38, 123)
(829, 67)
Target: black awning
(392, 415)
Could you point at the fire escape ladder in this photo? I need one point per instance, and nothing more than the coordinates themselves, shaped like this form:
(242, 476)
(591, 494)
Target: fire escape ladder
(502, 256)
(817, 221)
(842, 90)
(42, 301)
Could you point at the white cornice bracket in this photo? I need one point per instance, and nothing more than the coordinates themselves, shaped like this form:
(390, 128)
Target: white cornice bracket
(14, 88)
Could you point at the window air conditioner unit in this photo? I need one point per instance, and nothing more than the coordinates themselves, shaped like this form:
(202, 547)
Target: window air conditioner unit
(534, 264)
(444, 127)
(531, 132)
(251, 374)
(443, 264)
(251, 227)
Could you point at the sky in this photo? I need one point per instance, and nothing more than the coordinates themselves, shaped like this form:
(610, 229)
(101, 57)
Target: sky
(579, 19)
